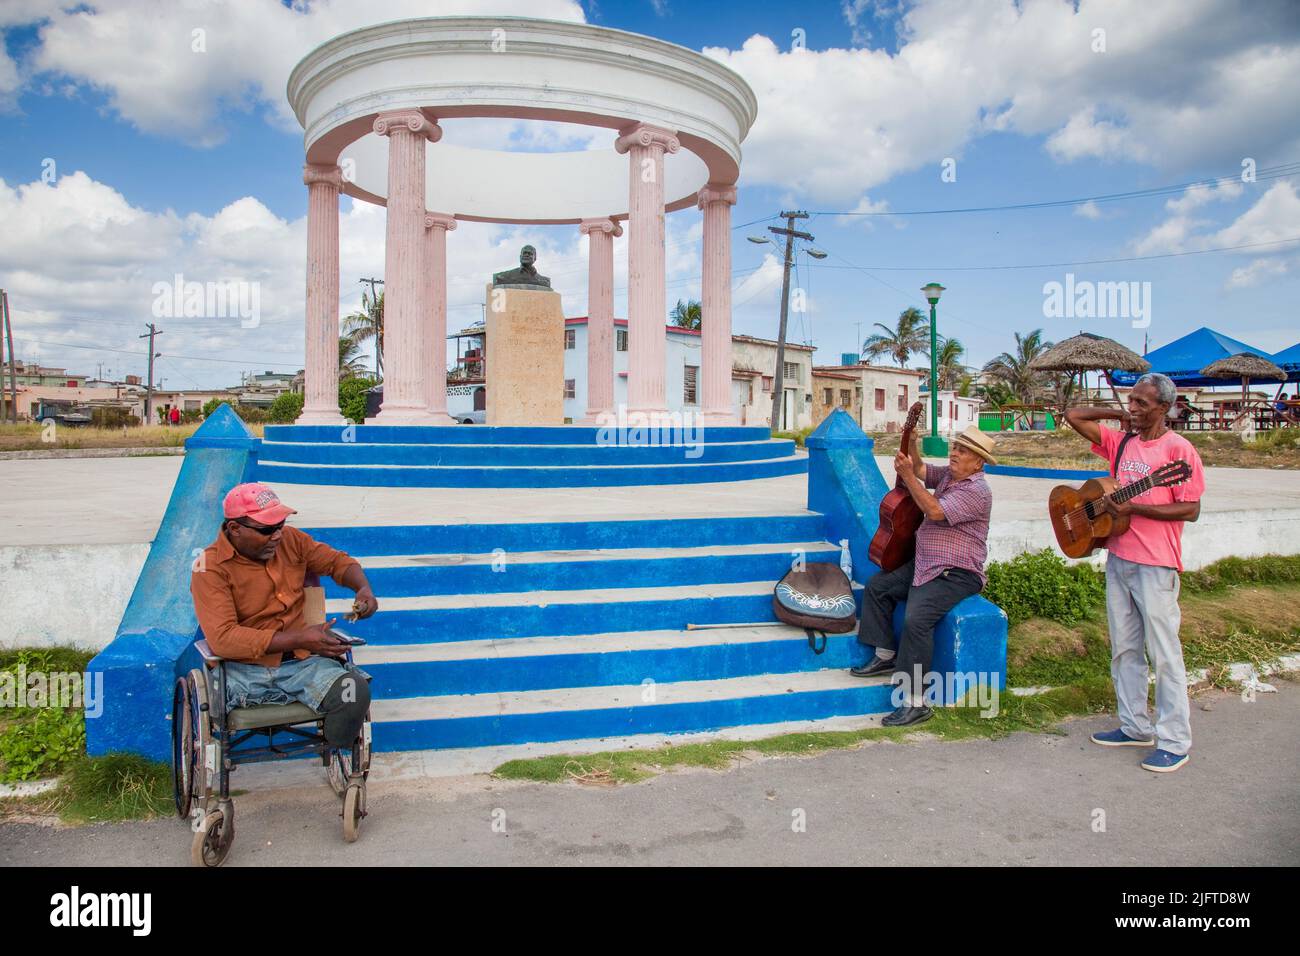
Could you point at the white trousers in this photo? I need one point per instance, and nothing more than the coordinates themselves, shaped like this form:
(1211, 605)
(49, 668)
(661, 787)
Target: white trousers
(1143, 613)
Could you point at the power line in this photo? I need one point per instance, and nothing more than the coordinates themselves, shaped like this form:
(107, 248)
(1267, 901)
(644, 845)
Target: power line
(1056, 265)
(1261, 175)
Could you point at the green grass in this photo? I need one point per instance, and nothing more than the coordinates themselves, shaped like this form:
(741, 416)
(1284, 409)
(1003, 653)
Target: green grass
(1039, 713)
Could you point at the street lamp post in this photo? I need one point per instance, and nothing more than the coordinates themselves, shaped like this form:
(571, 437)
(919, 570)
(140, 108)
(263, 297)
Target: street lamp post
(933, 444)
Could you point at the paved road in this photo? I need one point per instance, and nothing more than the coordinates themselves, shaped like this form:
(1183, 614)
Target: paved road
(1027, 799)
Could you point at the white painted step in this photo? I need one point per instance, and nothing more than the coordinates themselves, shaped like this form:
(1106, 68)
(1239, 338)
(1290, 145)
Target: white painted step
(610, 697)
(591, 554)
(688, 463)
(674, 592)
(573, 644)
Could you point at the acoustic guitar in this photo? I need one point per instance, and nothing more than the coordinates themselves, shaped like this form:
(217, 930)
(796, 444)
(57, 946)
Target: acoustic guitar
(1081, 521)
(894, 542)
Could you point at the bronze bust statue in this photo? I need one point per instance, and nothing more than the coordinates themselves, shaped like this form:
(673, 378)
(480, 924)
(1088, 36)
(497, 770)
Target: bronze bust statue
(525, 277)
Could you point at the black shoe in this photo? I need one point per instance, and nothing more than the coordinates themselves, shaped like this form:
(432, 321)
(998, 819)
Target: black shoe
(873, 667)
(906, 716)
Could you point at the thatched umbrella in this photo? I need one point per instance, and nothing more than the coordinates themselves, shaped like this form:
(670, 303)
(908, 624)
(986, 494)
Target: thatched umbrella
(1243, 365)
(1086, 352)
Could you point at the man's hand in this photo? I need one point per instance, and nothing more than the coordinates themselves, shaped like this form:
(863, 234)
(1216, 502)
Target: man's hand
(365, 603)
(1116, 509)
(319, 640)
(903, 466)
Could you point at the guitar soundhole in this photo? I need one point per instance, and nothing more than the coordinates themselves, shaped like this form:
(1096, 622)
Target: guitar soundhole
(1087, 509)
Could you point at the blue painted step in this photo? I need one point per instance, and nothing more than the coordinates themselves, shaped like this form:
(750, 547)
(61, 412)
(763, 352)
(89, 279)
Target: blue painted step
(572, 535)
(499, 456)
(559, 575)
(627, 664)
(496, 435)
(415, 476)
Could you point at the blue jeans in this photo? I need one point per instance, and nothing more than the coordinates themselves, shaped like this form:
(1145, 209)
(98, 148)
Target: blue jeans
(306, 681)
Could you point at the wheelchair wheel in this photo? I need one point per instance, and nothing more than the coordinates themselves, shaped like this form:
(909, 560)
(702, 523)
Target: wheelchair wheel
(201, 737)
(354, 810)
(182, 749)
(213, 837)
(337, 772)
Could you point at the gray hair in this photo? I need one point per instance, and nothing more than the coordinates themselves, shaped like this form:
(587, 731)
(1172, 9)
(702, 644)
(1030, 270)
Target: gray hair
(1163, 384)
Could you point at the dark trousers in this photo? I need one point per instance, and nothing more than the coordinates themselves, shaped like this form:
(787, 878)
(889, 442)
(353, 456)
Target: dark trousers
(345, 707)
(926, 605)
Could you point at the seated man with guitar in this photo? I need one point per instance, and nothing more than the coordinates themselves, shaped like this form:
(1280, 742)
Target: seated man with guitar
(1142, 568)
(951, 545)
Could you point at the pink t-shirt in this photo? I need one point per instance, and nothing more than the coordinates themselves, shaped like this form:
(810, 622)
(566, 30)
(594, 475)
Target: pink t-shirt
(1148, 541)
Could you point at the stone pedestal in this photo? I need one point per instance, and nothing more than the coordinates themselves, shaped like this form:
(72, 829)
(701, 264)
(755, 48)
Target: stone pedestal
(525, 357)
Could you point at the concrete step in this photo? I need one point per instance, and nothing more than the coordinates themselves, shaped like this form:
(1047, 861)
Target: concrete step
(501, 434)
(565, 476)
(407, 575)
(437, 618)
(629, 657)
(539, 716)
(522, 536)
(498, 456)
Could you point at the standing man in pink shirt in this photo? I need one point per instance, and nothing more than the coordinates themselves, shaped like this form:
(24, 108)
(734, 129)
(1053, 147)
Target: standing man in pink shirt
(1142, 569)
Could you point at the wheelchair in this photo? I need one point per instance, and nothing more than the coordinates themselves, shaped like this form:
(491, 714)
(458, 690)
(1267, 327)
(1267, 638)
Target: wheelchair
(209, 741)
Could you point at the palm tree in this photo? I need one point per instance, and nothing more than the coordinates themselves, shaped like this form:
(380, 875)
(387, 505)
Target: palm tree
(912, 334)
(1013, 368)
(686, 315)
(948, 363)
(351, 364)
(366, 326)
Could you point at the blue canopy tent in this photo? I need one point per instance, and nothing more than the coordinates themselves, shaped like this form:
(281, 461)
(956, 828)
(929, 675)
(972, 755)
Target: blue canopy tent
(1183, 359)
(1289, 359)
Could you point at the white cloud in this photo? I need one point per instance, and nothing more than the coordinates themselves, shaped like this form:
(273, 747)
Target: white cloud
(1275, 216)
(1257, 272)
(1178, 233)
(1181, 85)
(1089, 210)
(172, 69)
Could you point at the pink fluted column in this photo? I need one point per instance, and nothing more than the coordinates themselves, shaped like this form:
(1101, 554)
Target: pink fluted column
(406, 325)
(321, 369)
(715, 323)
(600, 316)
(436, 227)
(647, 312)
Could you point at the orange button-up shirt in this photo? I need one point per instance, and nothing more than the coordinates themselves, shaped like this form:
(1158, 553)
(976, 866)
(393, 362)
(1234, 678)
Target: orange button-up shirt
(242, 604)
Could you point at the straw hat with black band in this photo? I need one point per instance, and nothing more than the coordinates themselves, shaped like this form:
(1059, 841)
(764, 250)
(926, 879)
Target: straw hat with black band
(975, 440)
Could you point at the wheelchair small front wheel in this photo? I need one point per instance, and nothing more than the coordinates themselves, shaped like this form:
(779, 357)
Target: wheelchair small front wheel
(354, 810)
(213, 837)
(337, 772)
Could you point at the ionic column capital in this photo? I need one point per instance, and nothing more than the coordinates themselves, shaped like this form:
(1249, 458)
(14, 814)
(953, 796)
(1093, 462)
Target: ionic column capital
(320, 174)
(438, 220)
(643, 134)
(605, 225)
(411, 120)
(716, 192)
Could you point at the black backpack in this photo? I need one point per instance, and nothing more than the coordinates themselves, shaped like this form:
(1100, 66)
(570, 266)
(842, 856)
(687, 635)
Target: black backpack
(818, 598)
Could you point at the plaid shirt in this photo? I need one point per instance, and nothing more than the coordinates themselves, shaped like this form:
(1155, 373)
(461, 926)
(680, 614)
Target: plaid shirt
(960, 540)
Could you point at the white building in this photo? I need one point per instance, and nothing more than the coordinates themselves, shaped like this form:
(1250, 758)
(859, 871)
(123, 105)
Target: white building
(956, 412)
(752, 376)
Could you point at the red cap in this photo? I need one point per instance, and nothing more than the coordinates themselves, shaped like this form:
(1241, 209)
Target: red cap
(256, 501)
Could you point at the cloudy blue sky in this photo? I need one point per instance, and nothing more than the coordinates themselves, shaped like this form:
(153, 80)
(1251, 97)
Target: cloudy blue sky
(127, 157)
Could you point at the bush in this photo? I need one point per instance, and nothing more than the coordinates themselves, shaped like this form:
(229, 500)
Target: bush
(1041, 584)
(286, 408)
(113, 418)
(211, 404)
(40, 741)
(798, 437)
(352, 398)
(1227, 572)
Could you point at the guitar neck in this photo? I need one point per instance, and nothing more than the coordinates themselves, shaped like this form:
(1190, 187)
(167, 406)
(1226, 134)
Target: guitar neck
(1132, 490)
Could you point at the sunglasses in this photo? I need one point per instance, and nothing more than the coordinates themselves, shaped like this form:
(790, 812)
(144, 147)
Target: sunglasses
(266, 530)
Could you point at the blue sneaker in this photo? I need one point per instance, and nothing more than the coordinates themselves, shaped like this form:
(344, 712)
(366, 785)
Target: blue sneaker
(1117, 738)
(1162, 761)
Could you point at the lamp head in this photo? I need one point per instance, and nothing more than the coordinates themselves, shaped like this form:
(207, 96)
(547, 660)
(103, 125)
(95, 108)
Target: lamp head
(932, 291)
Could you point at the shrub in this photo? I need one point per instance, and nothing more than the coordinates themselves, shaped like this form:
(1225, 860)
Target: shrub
(286, 408)
(1041, 584)
(1227, 572)
(211, 404)
(352, 398)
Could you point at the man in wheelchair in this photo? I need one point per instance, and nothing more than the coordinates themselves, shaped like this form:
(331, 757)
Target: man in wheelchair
(249, 598)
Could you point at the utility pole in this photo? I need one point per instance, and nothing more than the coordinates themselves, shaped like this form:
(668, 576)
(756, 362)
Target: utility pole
(148, 391)
(13, 362)
(790, 233)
